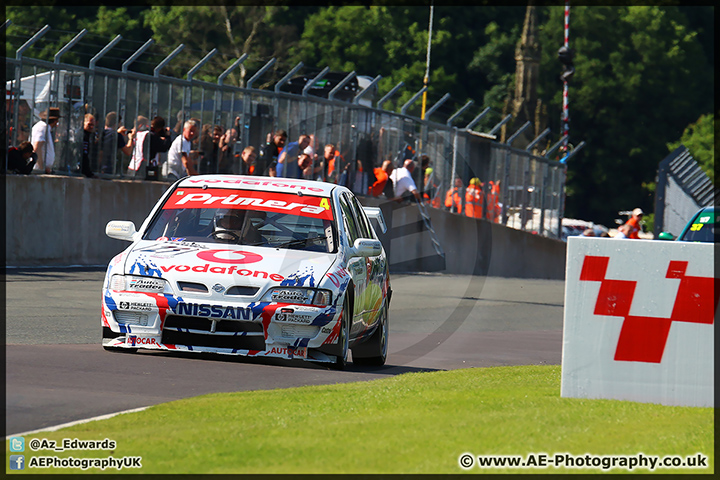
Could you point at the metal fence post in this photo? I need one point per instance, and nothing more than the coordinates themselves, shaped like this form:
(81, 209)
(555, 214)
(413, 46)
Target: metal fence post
(305, 90)
(18, 81)
(387, 96)
(187, 98)
(156, 81)
(245, 133)
(217, 104)
(56, 61)
(413, 99)
(458, 113)
(477, 119)
(367, 89)
(437, 105)
(93, 62)
(499, 125)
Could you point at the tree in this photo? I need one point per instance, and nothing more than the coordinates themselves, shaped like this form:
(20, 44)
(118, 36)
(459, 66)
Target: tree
(258, 31)
(641, 77)
(699, 139)
(28, 20)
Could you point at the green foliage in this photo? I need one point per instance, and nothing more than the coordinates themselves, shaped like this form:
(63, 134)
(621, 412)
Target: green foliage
(28, 20)
(699, 139)
(641, 77)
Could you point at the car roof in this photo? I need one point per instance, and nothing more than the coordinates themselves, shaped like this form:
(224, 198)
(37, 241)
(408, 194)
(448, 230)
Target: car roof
(245, 182)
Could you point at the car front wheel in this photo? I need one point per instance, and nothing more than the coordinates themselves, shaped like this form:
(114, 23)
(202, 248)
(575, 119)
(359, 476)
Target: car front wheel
(373, 352)
(344, 339)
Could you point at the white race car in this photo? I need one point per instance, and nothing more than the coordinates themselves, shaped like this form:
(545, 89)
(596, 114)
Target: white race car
(255, 266)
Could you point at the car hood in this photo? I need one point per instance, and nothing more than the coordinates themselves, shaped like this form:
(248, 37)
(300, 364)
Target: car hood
(213, 263)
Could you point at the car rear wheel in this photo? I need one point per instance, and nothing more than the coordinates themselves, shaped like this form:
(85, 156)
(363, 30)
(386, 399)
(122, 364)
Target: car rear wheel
(373, 352)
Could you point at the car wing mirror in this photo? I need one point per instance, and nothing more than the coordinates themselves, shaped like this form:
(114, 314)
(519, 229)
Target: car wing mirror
(121, 230)
(367, 247)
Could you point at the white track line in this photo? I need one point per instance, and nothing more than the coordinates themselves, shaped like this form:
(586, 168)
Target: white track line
(77, 422)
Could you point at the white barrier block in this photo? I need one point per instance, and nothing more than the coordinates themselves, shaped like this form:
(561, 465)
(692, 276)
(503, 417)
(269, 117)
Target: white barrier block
(639, 321)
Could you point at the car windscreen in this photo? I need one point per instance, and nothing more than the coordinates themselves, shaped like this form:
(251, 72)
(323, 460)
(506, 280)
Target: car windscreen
(246, 217)
(703, 229)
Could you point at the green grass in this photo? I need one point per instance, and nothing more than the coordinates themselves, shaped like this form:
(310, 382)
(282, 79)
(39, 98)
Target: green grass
(412, 423)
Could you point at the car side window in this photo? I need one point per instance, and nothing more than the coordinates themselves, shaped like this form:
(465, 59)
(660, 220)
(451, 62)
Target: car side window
(363, 223)
(349, 219)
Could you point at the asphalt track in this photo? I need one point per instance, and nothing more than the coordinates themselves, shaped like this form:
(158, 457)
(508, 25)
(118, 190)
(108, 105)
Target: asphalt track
(57, 372)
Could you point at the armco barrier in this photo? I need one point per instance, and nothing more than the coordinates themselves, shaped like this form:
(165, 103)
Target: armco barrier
(54, 220)
(639, 321)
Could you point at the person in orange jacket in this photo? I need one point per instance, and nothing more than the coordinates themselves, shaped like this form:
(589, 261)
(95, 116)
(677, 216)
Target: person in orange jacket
(634, 223)
(474, 199)
(453, 197)
(493, 202)
(382, 177)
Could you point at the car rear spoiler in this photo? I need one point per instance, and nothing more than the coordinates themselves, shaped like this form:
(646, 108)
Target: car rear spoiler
(376, 213)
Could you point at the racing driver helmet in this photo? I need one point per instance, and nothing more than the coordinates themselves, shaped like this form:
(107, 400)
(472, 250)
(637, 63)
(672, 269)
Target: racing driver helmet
(228, 224)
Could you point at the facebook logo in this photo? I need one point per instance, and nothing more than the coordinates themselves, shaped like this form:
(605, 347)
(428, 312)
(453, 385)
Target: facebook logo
(17, 444)
(17, 462)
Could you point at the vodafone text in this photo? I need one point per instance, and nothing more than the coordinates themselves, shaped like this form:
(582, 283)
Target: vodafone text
(587, 461)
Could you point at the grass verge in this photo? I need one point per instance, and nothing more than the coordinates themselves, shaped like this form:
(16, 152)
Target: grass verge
(412, 423)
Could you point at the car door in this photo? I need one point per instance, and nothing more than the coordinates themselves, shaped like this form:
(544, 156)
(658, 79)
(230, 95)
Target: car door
(369, 296)
(355, 265)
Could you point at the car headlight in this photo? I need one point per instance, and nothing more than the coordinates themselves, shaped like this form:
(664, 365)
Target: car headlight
(136, 283)
(303, 296)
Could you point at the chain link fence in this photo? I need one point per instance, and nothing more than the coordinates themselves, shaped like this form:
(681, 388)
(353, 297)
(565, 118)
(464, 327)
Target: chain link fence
(519, 189)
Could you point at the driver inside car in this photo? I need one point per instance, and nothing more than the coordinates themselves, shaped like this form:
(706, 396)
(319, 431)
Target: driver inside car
(227, 225)
(230, 225)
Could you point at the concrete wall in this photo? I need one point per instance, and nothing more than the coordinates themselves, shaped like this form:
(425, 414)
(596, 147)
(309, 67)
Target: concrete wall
(470, 246)
(57, 220)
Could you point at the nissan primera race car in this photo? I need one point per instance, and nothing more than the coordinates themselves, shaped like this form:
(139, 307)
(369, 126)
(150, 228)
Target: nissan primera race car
(255, 266)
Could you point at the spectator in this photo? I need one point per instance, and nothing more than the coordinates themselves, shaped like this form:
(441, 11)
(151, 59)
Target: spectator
(270, 151)
(306, 166)
(210, 148)
(178, 128)
(147, 147)
(23, 133)
(110, 135)
(405, 188)
(288, 159)
(588, 232)
(634, 223)
(335, 163)
(623, 231)
(160, 141)
(226, 154)
(382, 184)
(494, 207)
(474, 199)
(430, 188)
(248, 156)
(89, 145)
(182, 160)
(17, 159)
(360, 183)
(42, 139)
(453, 197)
(271, 170)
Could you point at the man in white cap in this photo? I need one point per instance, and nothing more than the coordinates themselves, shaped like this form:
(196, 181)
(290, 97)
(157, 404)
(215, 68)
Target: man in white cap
(634, 223)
